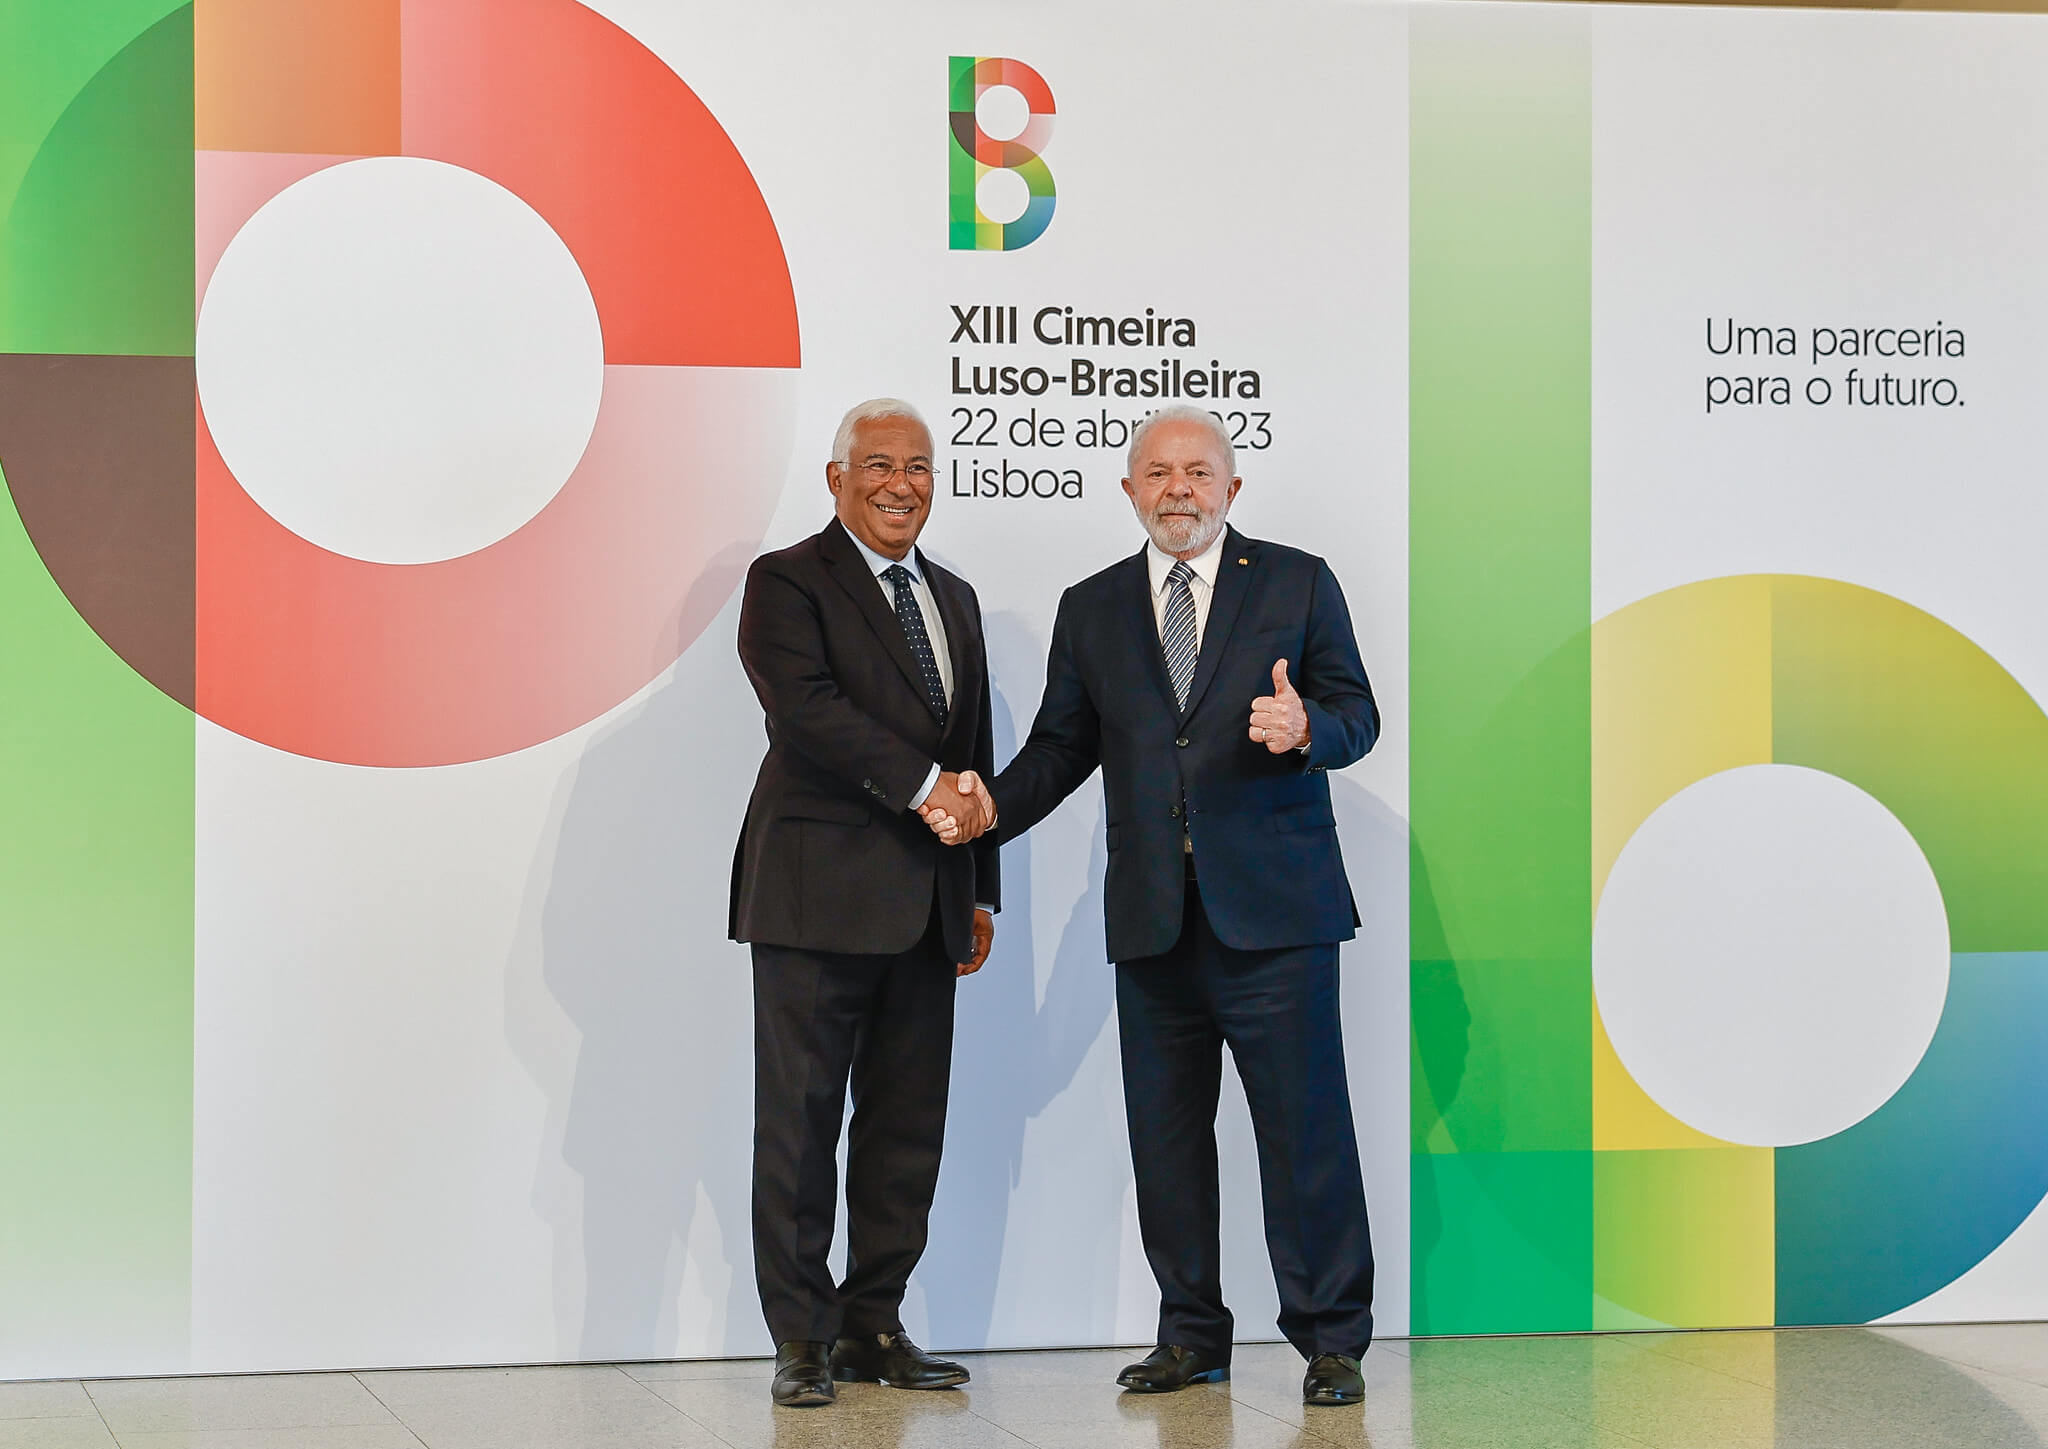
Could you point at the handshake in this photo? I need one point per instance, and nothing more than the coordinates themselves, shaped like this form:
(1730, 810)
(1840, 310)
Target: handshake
(959, 808)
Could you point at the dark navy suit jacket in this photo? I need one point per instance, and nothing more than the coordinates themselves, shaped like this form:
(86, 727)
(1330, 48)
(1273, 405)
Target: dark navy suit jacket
(1265, 837)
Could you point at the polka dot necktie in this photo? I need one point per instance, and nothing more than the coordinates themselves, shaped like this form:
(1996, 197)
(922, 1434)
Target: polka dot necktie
(912, 619)
(1177, 632)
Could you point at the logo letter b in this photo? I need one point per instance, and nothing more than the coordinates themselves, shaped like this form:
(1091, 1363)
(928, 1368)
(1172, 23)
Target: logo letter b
(974, 154)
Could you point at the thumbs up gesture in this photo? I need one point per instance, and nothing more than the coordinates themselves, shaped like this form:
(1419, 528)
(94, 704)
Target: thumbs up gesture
(1279, 722)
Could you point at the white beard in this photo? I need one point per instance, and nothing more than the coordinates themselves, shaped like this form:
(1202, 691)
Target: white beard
(1184, 535)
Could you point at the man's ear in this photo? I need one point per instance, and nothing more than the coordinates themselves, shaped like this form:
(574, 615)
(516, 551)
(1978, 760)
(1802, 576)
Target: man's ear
(834, 474)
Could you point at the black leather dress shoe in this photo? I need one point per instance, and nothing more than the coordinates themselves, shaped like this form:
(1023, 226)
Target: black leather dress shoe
(803, 1375)
(892, 1359)
(1169, 1367)
(1333, 1378)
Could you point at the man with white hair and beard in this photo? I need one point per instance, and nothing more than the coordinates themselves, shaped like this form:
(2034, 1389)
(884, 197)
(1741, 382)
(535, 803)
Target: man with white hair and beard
(1214, 679)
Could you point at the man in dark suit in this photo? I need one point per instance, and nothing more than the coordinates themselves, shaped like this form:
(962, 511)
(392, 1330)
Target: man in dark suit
(868, 661)
(1214, 679)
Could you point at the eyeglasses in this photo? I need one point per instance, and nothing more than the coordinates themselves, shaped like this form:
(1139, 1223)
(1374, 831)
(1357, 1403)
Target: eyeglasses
(879, 473)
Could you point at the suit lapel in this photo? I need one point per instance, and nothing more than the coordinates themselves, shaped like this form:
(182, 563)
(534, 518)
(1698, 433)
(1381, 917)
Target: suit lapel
(1144, 624)
(850, 571)
(1233, 582)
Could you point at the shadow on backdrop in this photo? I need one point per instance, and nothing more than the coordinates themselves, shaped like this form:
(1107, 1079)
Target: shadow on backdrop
(651, 1079)
(656, 1120)
(1013, 1053)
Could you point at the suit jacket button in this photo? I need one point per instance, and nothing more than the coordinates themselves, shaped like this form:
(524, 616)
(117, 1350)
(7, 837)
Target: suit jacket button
(867, 784)
(1182, 741)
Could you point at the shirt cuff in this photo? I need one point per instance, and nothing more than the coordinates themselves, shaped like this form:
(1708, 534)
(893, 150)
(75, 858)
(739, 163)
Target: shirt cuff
(984, 906)
(925, 789)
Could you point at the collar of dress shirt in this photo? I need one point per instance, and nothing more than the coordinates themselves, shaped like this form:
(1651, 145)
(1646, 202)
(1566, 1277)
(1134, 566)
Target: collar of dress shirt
(878, 563)
(1204, 564)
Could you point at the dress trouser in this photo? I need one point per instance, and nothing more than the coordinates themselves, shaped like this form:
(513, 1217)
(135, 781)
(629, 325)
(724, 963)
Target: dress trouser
(885, 1023)
(1277, 1011)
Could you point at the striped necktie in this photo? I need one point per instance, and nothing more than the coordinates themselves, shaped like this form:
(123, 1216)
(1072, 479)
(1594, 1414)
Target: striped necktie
(1177, 633)
(912, 619)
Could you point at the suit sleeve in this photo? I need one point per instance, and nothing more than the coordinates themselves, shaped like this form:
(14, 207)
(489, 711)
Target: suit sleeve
(988, 857)
(1065, 744)
(1343, 719)
(782, 647)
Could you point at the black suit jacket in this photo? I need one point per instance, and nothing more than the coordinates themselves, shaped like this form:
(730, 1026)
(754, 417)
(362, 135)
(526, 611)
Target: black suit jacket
(1265, 837)
(831, 857)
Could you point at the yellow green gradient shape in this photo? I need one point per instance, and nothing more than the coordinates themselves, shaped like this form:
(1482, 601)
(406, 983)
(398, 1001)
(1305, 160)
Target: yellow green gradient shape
(1814, 672)
(96, 764)
(1500, 466)
(1549, 1192)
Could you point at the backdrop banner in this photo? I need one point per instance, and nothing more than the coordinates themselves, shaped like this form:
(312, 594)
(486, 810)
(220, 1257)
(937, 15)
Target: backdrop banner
(394, 392)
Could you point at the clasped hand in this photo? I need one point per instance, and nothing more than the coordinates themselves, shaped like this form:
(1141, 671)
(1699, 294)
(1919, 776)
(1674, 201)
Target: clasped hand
(959, 808)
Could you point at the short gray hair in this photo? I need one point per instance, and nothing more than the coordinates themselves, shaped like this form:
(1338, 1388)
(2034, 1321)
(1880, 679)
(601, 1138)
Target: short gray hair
(873, 410)
(1181, 413)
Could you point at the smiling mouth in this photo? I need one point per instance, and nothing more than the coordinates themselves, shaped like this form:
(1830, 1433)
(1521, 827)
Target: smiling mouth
(900, 512)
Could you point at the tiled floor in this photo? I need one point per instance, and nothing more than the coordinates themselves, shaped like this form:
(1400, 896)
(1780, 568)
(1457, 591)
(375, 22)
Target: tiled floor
(1919, 1388)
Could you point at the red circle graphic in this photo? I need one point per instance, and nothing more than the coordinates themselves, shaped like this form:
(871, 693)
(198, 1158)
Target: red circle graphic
(435, 663)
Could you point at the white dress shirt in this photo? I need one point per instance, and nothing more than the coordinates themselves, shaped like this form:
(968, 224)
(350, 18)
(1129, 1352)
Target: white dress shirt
(934, 627)
(1202, 586)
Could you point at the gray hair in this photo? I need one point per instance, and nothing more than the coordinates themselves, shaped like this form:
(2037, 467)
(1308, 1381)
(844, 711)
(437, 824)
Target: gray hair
(873, 410)
(1181, 413)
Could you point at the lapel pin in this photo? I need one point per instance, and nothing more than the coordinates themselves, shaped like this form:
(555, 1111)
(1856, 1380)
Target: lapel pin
(1244, 560)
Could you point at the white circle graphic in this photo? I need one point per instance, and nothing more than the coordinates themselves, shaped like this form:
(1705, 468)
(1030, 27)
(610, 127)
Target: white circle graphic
(1002, 113)
(1002, 196)
(399, 360)
(1771, 955)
